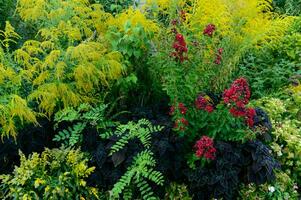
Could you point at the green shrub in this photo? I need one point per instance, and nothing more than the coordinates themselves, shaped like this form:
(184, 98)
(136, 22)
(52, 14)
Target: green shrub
(142, 169)
(269, 69)
(54, 174)
(289, 7)
(79, 119)
(282, 188)
(286, 133)
(177, 192)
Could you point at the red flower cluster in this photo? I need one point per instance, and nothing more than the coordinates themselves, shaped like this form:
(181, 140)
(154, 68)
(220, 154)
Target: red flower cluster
(203, 104)
(238, 97)
(250, 114)
(219, 56)
(182, 108)
(180, 48)
(204, 148)
(209, 30)
(239, 93)
(180, 123)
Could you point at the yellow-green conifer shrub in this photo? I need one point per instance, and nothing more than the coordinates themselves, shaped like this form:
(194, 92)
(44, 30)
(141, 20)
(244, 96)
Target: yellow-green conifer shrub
(56, 174)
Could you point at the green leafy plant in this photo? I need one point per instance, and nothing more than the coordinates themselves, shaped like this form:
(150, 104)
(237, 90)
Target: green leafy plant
(286, 134)
(282, 188)
(141, 130)
(54, 174)
(70, 136)
(114, 6)
(177, 192)
(142, 170)
(289, 7)
(82, 117)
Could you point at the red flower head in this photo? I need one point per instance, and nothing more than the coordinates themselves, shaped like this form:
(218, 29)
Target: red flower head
(209, 30)
(238, 94)
(209, 108)
(202, 103)
(182, 108)
(204, 148)
(181, 124)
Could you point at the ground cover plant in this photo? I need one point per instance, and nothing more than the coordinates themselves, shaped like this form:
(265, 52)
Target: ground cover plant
(154, 99)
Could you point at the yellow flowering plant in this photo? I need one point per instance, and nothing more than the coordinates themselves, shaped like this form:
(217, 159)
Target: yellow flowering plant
(53, 174)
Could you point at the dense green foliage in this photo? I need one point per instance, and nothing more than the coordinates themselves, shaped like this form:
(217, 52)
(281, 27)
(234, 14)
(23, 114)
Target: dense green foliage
(142, 168)
(154, 99)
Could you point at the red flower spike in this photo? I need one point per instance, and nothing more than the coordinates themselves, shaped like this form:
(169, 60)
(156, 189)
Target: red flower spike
(250, 114)
(238, 96)
(184, 121)
(239, 93)
(180, 48)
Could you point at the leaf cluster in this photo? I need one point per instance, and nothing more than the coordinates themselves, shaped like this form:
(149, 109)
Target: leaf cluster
(143, 165)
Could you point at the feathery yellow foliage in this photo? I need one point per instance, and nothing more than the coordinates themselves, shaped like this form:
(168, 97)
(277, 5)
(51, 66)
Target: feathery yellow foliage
(65, 65)
(15, 108)
(50, 94)
(135, 17)
(242, 21)
(164, 6)
(72, 19)
(65, 73)
(9, 35)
